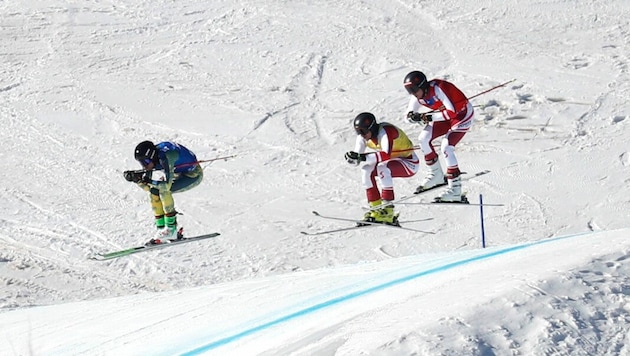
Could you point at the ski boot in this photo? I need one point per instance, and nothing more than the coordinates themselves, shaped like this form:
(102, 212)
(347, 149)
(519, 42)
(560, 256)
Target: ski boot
(454, 192)
(369, 216)
(386, 215)
(434, 178)
(382, 212)
(167, 233)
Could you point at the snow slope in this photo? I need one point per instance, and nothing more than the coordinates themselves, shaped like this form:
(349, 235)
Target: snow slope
(471, 302)
(277, 84)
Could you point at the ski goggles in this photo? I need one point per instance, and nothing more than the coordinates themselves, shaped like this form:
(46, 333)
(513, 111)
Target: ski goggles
(412, 88)
(362, 131)
(145, 162)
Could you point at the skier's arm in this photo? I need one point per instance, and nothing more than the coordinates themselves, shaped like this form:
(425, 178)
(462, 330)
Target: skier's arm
(356, 156)
(448, 110)
(359, 145)
(413, 105)
(168, 169)
(386, 147)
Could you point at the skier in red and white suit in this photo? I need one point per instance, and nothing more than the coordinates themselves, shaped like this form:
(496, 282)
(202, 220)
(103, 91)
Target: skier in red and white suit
(452, 116)
(390, 155)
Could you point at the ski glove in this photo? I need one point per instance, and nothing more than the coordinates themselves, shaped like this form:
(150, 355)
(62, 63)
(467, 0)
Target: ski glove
(418, 117)
(354, 158)
(138, 177)
(133, 176)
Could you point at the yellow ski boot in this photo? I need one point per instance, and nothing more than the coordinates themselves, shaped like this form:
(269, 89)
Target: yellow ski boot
(384, 214)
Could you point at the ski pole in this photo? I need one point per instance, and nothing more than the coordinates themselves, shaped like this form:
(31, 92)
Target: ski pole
(225, 158)
(478, 94)
(493, 88)
(407, 149)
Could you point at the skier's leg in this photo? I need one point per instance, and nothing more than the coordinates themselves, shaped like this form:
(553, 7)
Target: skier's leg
(454, 191)
(187, 181)
(156, 206)
(435, 175)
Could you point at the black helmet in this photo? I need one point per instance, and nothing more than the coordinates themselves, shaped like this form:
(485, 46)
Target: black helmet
(414, 81)
(146, 153)
(365, 122)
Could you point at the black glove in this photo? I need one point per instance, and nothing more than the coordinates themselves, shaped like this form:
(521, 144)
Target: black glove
(354, 158)
(146, 178)
(131, 176)
(135, 176)
(418, 117)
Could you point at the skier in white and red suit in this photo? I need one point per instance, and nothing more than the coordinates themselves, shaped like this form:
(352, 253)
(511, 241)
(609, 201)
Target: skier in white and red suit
(451, 117)
(391, 155)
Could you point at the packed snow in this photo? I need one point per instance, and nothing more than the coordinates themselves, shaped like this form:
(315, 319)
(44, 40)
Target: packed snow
(276, 84)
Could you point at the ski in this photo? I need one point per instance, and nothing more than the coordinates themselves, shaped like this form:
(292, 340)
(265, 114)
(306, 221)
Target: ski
(464, 200)
(421, 190)
(464, 203)
(465, 177)
(325, 232)
(460, 203)
(370, 223)
(467, 203)
(144, 248)
(437, 200)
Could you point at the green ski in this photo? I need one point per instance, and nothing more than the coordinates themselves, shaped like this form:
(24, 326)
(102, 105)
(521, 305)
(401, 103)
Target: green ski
(144, 248)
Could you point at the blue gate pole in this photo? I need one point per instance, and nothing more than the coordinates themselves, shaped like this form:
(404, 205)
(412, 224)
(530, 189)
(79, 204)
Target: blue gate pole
(483, 230)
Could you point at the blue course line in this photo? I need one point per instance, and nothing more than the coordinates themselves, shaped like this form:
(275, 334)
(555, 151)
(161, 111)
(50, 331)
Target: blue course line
(379, 287)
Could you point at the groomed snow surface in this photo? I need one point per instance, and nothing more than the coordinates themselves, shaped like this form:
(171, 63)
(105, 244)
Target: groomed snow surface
(277, 83)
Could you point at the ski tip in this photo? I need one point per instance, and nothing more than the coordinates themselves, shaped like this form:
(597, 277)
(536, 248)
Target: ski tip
(315, 213)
